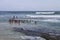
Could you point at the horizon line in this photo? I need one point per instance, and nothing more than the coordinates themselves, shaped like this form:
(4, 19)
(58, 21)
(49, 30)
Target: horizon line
(36, 11)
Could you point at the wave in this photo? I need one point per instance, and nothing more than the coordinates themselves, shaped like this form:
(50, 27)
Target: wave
(45, 13)
(11, 15)
(51, 20)
(43, 16)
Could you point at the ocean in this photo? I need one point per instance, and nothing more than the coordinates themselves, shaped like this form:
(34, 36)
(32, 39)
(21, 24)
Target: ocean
(46, 24)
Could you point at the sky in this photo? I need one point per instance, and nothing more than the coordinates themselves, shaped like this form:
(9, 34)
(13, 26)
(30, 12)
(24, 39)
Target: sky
(29, 5)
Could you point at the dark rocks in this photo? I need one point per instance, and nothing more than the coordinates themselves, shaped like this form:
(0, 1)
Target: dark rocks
(52, 35)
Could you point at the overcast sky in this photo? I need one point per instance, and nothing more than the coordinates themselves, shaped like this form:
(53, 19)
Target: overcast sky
(29, 5)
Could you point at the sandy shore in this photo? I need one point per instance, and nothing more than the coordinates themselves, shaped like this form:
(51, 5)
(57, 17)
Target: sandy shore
(6, 32)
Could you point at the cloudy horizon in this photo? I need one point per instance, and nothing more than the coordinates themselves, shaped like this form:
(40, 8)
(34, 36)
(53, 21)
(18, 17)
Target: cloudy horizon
(29, 5)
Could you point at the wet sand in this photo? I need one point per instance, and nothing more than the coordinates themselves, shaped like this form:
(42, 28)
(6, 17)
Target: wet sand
(6, 32)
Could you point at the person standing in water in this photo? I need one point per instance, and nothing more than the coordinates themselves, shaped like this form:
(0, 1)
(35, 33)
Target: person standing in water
(13, 17)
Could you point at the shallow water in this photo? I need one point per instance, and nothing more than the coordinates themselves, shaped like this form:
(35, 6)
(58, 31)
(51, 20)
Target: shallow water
(6, 32)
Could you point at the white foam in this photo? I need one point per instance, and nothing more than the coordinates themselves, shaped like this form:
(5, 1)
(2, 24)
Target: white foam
(51, 20)
(44, 16)
(45, 12)
(31, 38)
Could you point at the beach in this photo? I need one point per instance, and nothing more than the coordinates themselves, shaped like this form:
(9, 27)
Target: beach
(6, 32)
(48, 26)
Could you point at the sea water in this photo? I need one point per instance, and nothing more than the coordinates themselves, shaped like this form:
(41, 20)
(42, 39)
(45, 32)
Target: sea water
(6, 32)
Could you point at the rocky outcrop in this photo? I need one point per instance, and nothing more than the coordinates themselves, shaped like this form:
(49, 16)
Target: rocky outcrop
(46, 35)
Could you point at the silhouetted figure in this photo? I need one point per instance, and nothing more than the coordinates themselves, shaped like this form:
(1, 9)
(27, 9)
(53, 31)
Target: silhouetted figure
(35, 22)
(13, 17)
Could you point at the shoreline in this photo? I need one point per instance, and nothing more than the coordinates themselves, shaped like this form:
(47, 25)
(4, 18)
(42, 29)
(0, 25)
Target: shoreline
(47, 36)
